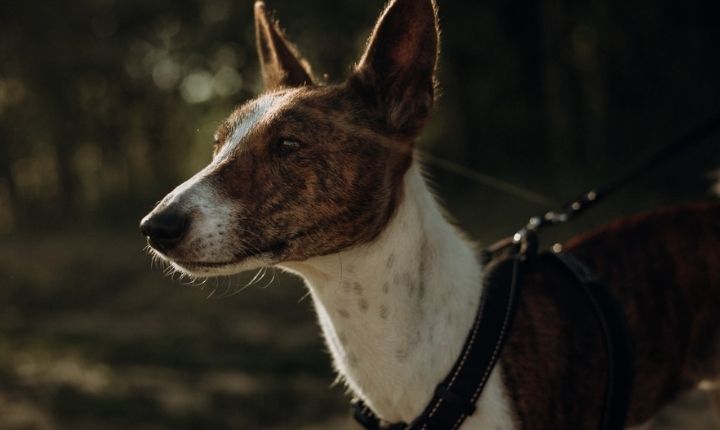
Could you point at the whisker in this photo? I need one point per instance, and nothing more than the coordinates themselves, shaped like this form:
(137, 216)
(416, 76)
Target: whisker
(274, 276)
(304, 296)
(258, 275)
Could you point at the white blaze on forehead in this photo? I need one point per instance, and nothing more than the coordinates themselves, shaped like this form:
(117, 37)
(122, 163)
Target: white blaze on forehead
(195, 191)
(262, 108)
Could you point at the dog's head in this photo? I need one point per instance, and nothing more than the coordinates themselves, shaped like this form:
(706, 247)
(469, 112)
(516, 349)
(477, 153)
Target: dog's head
(306, 169)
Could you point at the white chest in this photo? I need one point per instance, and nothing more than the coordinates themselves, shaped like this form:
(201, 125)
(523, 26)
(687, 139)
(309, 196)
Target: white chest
(395, 313)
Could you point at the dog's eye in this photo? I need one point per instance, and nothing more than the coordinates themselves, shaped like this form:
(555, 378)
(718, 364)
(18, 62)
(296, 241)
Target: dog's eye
(284, 146)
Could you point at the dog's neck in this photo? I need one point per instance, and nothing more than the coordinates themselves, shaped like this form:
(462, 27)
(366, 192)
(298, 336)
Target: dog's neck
(396, 312)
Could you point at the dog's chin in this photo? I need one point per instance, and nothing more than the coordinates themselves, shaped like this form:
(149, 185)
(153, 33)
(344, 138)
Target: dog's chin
(208, 270)
(208, 266)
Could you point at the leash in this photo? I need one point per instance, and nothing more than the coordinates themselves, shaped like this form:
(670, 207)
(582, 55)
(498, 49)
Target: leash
(487, 180)
(585, 201)
(704, 130)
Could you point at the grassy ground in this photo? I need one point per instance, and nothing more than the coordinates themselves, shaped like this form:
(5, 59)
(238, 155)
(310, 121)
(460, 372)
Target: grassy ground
(92, 338)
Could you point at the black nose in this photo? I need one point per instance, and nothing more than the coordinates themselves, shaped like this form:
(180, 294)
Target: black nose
(165, 229)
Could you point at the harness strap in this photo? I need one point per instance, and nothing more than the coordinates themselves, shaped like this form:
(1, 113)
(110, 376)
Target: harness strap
(368, 420)
(454, 399)
(619, 382)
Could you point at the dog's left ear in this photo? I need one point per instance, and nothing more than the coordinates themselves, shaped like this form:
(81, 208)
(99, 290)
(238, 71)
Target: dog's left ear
(398, 66)
(280, 62)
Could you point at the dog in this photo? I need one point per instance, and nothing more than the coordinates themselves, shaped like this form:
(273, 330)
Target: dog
(323, 181)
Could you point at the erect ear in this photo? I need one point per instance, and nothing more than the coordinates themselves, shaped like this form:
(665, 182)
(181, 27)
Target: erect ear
(399, 63)
(280, 63)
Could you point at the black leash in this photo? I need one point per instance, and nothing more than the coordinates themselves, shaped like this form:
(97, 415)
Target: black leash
(585, 201)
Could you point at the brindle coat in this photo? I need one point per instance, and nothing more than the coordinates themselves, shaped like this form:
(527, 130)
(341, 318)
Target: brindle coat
(664, 268)
(340, 184)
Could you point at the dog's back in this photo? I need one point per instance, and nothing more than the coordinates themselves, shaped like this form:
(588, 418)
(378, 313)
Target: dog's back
(664, 267)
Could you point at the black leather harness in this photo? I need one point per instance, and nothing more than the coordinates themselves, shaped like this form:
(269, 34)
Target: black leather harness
(455, 397)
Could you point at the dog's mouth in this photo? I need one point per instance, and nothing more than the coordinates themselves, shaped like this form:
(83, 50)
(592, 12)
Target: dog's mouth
(267, 254)
(250, 258)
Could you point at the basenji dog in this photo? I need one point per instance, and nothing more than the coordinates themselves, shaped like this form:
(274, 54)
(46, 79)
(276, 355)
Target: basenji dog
(322, 180)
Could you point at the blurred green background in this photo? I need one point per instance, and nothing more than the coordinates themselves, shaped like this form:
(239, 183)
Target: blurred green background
(105, 105)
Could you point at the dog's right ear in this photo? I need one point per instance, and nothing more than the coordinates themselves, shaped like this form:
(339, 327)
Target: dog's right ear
(397, 69)
(280, 63)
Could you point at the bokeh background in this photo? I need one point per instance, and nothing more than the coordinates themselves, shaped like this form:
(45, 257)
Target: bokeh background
(105, 105)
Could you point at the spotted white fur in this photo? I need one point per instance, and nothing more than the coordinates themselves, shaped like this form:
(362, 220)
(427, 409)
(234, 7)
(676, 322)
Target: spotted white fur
(391, 343)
